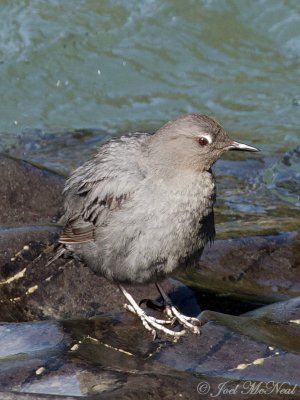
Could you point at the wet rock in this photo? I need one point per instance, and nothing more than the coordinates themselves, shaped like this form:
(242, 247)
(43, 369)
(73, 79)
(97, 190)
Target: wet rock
(111, 356)
(15, 241)
(97, 349)
(28, 194)
(65, 289)
(29, 289)
(258, 269)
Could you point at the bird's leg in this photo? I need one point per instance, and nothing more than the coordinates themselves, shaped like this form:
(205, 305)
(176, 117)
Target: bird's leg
(190, 323)
(150, 323)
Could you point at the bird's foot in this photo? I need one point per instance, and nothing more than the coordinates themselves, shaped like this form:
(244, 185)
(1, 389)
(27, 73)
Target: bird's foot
(190, 323)
(166, 306)
(150, 323)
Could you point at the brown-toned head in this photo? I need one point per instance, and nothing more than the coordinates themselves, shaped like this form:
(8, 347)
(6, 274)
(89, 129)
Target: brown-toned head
(192, 141)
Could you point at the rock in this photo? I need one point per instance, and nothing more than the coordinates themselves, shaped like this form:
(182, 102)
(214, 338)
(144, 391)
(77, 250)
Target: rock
(28, 289)
(89, 346)
(111, 356)
(15, 241)
(257, 269)
(65, 289)
(28, 194)
(30, 201)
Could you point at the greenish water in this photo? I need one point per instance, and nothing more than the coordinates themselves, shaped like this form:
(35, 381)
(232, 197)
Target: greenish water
(114, 66)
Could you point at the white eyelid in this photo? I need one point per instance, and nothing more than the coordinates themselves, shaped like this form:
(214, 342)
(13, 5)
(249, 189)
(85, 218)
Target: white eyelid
(208, 137)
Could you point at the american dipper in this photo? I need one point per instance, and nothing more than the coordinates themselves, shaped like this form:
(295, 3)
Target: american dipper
(142, 208)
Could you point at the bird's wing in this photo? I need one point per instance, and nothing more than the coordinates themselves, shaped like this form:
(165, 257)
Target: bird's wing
(100, 186)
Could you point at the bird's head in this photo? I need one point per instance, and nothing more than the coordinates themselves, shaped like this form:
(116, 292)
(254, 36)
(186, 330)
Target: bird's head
(192, 141)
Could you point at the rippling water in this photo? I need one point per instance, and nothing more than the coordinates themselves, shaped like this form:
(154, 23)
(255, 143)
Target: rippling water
(114, 66)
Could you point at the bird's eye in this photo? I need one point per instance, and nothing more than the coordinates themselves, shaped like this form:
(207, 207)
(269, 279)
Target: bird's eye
(203, 141)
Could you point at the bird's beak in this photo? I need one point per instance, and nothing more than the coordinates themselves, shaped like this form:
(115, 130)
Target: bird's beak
(241, 147)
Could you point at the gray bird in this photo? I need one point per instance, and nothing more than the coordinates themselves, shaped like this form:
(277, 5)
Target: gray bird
(142, 208)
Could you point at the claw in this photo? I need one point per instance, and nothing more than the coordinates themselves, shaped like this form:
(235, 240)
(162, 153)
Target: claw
(153, 325)
(189, 323)
(150, 323)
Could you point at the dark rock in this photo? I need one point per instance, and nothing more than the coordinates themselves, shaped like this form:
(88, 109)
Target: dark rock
(13, 240)
(111, 356)
(28, 289)
(66, 289)
(105, 353)
(28, 194)
(258, 269)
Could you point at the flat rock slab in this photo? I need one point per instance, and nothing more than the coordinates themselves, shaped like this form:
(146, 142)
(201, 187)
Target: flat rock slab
(260, 269)
(111, 357)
